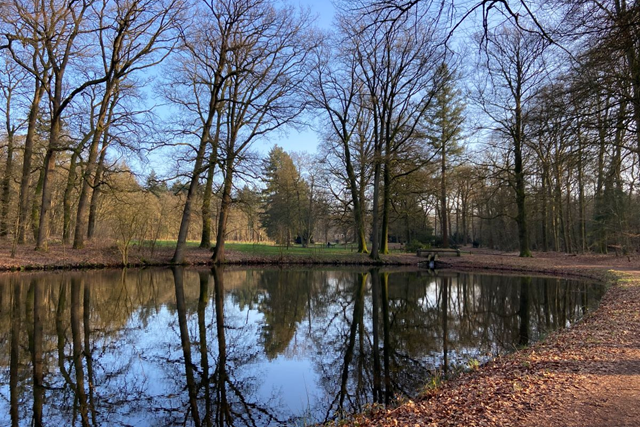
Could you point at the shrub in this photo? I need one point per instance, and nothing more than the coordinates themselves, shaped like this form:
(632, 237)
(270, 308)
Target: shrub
(414, 245)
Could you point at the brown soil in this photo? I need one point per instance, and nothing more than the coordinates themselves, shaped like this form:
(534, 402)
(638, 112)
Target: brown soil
(585, 376)
(92, 256)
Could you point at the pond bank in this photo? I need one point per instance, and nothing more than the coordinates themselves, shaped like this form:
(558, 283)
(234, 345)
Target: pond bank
(585, 376)
(93, 256)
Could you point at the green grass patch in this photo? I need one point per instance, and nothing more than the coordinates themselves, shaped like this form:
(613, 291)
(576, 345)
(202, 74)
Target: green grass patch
(163, 244)
(295, 250)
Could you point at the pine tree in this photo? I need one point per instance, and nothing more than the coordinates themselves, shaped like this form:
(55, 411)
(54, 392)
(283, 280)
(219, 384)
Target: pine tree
(446, 131)
(284, 197)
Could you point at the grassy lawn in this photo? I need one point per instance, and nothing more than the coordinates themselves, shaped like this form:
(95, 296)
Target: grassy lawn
(171, 243)
(265, 249)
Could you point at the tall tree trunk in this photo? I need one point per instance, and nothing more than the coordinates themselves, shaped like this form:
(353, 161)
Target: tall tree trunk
(569, 231)
(95, 194)
(205, 138)
(29, 141)
(57, 107)
(457, 230)
(6, 183)
(558, 204)
(386, 194)
(362, 215)
(555, 224)
(443, 196)
(545, 213)
(207, 221)
(178, 255)
(407, 227)
(357, 192)
(47, 180)
(523, 232)
(375, 223)
(225, 205)
(386, 207)
(35, 204)
(582, 204)
(107, 106)
(66, 200)
(310, 223)
(465, 217)
(205, 240)
(600, 204)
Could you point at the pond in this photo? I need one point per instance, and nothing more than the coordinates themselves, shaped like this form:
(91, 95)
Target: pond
(254, 346)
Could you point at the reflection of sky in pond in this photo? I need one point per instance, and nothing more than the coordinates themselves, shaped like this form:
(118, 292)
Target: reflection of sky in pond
(298, 344)
(293, 379)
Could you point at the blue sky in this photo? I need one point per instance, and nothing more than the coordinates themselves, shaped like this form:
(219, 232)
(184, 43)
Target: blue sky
(302, 139)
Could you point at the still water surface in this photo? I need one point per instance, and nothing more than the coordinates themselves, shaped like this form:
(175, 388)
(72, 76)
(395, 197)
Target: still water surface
(253, 346)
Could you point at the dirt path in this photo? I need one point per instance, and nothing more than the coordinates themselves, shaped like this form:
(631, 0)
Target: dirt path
(586, 376)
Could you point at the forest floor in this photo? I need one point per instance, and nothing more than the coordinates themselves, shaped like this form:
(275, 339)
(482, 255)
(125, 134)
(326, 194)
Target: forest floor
(588, 375)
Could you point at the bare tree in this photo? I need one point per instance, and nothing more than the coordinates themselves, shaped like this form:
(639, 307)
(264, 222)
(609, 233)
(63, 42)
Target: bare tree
(397, 62)
(12, 83)
(515, 69)
(55, 35)
(132, 36)
(31, 56)
(609, 32)
(445, 133)
(202, 79)
(337, 91)
(265, 65)
(393, 10)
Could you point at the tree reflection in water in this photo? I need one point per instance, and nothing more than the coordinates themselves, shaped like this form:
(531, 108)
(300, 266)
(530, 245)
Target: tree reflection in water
(14, 357)
(253, 347)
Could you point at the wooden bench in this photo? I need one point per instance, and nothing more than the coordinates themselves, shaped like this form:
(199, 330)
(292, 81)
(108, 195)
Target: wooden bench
(433, 252)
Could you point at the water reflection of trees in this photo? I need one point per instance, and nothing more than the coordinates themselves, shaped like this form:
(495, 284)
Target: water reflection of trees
(157, 347)
(284, 303)
(226, 396)
(412, 327)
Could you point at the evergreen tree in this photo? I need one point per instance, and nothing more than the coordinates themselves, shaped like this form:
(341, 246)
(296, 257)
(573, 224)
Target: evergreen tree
(155, 185)
(446, 130)
(284, 197)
